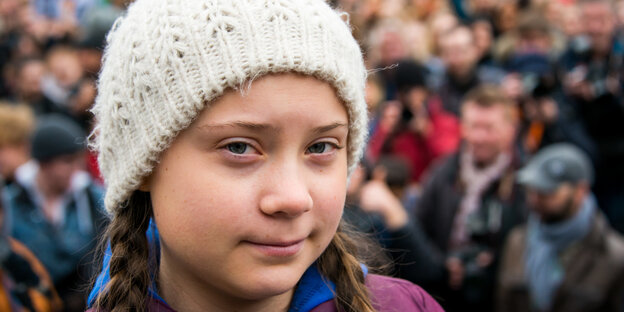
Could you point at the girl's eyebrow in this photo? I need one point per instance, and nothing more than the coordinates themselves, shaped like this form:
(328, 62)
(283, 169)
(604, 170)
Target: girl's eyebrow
(240, 124)
(334, 125)
(260, 127)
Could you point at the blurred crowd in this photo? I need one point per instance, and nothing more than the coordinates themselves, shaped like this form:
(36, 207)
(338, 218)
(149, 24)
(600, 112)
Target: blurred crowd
(494, 174)
(493, 177)
(52, 201)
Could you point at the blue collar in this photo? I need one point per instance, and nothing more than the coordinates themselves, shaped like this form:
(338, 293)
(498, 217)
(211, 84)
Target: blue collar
(312, 290)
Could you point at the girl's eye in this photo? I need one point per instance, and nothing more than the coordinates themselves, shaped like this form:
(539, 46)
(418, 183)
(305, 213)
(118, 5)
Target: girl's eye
(320, 148)
(238, 148)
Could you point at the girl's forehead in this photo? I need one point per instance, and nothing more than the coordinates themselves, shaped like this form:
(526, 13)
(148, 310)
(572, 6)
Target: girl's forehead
(279, 96)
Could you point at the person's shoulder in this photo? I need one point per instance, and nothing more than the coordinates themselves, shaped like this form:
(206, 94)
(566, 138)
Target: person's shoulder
(445, 169)
(393, 294)
(613, 253)
(614, 243)
(607, 237)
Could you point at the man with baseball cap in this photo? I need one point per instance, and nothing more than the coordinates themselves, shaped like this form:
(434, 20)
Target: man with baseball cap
(567, 257)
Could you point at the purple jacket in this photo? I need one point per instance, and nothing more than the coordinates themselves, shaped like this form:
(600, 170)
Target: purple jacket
(392, 295)
(388, 295)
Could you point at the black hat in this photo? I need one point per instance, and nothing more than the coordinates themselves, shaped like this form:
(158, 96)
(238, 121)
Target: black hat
(410, 74)
(555, 165)
(56, 135)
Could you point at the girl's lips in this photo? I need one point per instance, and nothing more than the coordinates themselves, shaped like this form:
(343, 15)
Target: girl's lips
(278, 249)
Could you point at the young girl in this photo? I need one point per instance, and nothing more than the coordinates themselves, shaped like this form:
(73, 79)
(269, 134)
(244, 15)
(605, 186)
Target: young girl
(227, 131)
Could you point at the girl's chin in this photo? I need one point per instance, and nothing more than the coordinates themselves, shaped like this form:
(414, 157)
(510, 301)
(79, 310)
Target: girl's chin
(269, 284)
(266, 291)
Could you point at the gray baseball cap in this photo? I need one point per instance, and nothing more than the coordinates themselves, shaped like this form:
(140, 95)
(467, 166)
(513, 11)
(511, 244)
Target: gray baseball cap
(555, 165)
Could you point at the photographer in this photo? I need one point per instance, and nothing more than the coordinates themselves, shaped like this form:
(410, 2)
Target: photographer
(425, 132)
(592, 75)
(546, 113)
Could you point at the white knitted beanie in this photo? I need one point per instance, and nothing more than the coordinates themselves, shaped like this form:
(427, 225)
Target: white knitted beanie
(167, 59)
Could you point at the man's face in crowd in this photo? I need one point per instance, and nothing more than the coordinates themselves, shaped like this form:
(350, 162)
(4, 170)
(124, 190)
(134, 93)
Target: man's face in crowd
(58, 172)
(487, 131)
(599, 21)
(66, 68)
(30, 77)
(558, 205)
(392, 48)
(459, 52)
(482, 33)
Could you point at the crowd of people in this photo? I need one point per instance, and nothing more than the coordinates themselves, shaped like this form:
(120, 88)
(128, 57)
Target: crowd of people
(465, 94)
(493, 175)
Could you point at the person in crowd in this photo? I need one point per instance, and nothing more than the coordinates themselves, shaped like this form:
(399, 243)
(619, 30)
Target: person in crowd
(375, 99)
(532, 36)
(438, 24)
(245, 177)
(384, 208)
(65, 73)
(461, 56)
(547, 115)
(483, 33)
(97, 22)
(425, 131)
(30, 75)
(55, 209)
(387, 118)
(567, 257)
(592, 75)
(387, 46)
(17, 123)
(67, 85)
(470, 201)
(571, 24)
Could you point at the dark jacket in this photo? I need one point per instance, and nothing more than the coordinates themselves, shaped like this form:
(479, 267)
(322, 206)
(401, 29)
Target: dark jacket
(409, 249)
(502, 208)
(442, 195)
(603, 117)
(603, 114)
(60, 248)
(568, 127)
(594, 273)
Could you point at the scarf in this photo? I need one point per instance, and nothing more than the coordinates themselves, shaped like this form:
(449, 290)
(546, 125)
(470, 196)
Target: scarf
(477, 181)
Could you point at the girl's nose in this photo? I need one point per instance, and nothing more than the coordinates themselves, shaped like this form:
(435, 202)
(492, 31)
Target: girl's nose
(287, 195)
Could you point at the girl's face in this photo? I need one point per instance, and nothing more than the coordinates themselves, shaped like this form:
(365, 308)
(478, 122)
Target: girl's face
(251, 194)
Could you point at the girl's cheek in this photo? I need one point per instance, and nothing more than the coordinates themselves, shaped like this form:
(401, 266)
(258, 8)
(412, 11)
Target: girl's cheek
(334, 196)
